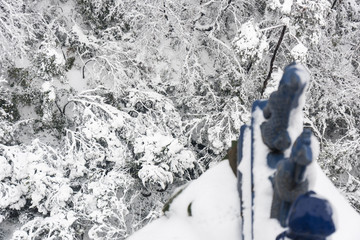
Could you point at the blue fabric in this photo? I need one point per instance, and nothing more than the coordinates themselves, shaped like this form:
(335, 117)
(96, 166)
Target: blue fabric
(311, 216)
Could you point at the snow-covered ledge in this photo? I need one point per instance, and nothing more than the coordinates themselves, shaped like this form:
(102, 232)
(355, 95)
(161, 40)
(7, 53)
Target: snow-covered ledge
(208, 208)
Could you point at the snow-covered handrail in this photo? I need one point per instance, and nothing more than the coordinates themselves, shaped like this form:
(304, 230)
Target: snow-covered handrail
(275, 147)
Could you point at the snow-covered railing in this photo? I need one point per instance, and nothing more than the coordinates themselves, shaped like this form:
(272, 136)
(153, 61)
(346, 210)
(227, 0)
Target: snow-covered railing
(277, 171)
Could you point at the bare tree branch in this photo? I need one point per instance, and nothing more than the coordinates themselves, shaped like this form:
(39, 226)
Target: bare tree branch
(333, 5)
(272, 61)
(83, 69)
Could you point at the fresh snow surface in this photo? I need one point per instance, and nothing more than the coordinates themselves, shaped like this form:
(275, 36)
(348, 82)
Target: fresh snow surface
(296, 118)
(215, 210)
(270, 228)
(22, 62)
(246, 188)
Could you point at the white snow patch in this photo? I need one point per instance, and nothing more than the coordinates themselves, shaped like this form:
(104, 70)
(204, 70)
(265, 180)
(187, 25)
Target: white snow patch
(22, 62)
(76, 80)
(284, 7)
(250, 42)
(87, 40)
(246, 188)
(64, 194)
(59, 58)
(295, 126)
(262, 185)
(171, 157)
(49, 89)
(250, 36)
(5, 168)
(2, 80)
(299, 52)
(215, 210)
(214, 137)
(81, 36)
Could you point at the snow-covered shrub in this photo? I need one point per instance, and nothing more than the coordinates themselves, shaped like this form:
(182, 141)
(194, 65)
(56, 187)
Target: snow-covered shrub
(105, 128)
(250, 43)
(284, 6)
(162, 157)
(57, 226)
(93, 143)
(19, 30)
(108, 202)
(307, 13)
(103, 13)
(211, 133)
(49, 63)
(8, 115)
(37, 175)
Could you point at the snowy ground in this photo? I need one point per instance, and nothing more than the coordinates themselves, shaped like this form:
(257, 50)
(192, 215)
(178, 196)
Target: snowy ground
(215, 210)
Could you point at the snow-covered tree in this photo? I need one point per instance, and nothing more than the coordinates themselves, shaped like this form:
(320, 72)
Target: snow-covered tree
(115, 103)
